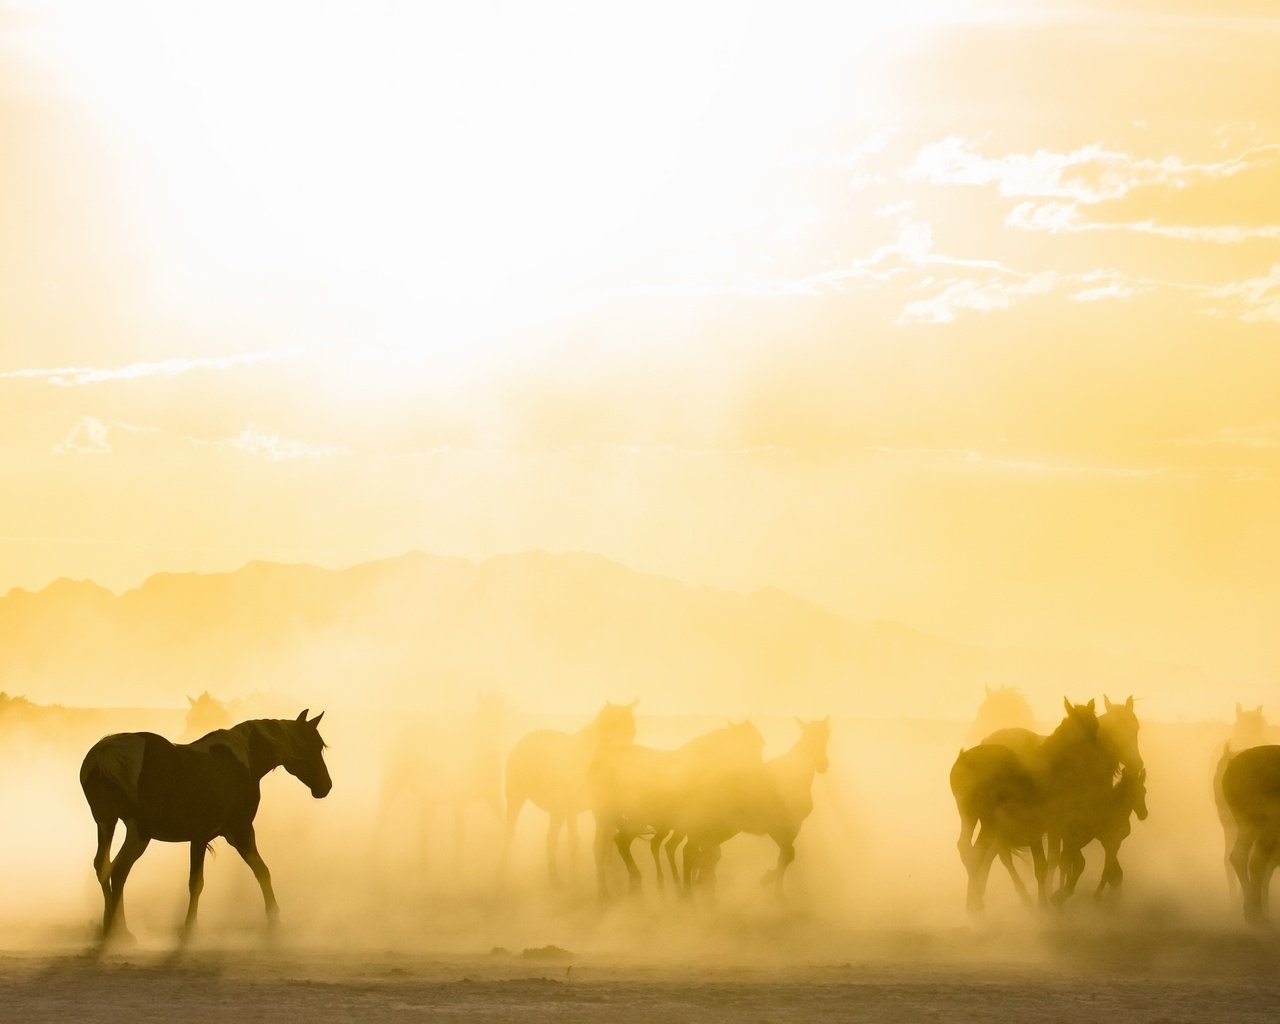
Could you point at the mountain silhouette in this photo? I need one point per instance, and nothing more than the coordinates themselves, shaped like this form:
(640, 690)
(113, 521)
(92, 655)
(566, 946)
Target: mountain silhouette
(552, 631)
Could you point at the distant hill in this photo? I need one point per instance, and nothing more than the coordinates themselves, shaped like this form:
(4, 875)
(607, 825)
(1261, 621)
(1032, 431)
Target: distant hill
(555, 631)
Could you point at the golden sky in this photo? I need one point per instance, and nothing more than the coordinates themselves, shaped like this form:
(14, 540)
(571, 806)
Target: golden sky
(965, 315)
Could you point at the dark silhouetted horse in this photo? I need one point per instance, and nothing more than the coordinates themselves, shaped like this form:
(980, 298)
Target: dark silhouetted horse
(1251, 786)
(1016, 797)
(1249, 730)
(548, 768)
(1110, 824)
(192, 793)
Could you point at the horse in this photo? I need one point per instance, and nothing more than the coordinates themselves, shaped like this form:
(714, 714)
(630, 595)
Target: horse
(192, 793)
(1018, 796)
(1118, 729)
(1002, 708)
(549, 769)
(452, 765)
(205, 714)
(1111, 825)
(635, 788)
(1251, 786)
(772, 799)
(1249, 730)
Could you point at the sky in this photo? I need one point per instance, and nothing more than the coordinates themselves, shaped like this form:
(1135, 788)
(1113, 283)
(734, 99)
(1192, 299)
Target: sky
(961, 315)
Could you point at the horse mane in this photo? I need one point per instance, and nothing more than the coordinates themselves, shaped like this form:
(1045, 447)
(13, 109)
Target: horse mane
(278, 733)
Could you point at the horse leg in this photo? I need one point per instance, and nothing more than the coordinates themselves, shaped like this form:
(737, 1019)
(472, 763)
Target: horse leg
(786, 854)
(1259, 876)
(245, 843)
(1240, 854)
(623, 840)
(979, 866)
(1040, 865)
(1230, 832)
(1072, 864)
(102, 862)
(1006, 858)
(571, 837)
(655, 848)
(135, 844)
(965, 843)
(673, 844)
(195, 886)
(600, 847)
(1111, 873)
(553, 840)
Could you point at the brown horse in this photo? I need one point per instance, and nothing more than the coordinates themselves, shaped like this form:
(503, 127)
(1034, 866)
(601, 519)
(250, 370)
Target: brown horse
(1019, 796)
(192, 793)
(1250, 730)
(1251, 785)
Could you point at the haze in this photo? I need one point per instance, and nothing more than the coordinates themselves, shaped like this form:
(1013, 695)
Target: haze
(751, 361)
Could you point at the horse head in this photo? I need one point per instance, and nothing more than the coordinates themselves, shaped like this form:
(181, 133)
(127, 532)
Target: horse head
(1135, 779)
(304, 757)
(615, 725)
(1119, 725)
(1081, 719)
(1250, 729)
(813, 739)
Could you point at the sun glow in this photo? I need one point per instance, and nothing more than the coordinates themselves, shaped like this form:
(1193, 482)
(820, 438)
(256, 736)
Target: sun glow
(454, 171)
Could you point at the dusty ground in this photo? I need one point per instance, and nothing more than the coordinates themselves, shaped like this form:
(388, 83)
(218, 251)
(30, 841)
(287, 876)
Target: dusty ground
(966, 975)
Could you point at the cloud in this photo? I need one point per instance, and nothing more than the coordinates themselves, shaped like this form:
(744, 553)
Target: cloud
(1260, 296)
(271, 447)
(1058, 217)
(88, 436)
(1090, 174)
(995, 293)
(74, 376)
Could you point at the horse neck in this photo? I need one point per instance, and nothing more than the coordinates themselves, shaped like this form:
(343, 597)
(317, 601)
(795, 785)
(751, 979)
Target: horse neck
(794, 769)
(260, 740)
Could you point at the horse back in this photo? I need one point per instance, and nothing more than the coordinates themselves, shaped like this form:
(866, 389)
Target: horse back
(173, 792)
(1251, 786)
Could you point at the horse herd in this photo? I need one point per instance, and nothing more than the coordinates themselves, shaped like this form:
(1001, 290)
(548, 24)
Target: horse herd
(1015, 791)
(1054, 795)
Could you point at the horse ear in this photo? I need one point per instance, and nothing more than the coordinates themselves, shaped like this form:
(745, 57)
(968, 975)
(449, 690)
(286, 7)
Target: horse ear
(302, 715)
(1107, 701)
(827, 720)
(1129, 703)
(192, 701)
(1066, 703)
(1259, 709)
(1091, 704)
(1239, 709)
(632, 705)
(801, 722)
(986, 689)
(315, 722)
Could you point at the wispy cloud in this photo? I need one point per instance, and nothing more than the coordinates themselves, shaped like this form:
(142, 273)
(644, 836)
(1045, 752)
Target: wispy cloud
(74, 376)
(1090, 174)
(1260, 296)
(271, 447)
(88, 436)
(1058, 217)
